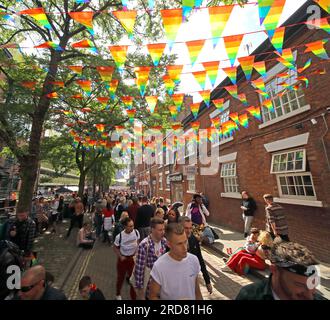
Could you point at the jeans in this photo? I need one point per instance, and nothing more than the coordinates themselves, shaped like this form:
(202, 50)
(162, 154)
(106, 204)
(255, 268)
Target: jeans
(98, 224)
(76, 219)
(247, 223)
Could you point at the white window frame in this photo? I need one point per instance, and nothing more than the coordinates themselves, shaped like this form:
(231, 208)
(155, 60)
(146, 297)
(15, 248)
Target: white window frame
(160, 181)
(191, 177)
(297, 197)
(303, 169)
(230, 188)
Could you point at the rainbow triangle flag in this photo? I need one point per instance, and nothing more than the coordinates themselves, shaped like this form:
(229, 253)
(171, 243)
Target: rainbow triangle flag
(318, 49)
(260, 84)
(306, 66)
(103, 100)
(278, 39)
(156, 51)
(112, 88)
(321, 23)
(269, 105)
(219, 103)
(219, 17)
(172, 19)
(86, 44)
(173, 111)
(240, 120)
(273, 17)
(264, 8)
(287, 59)
(232, 44)
(174, 72)
(49, 45)
(169, 85)
(231, 73)
(200, 77)
(39, 15)
(127, 20)
(128, 101)
(86, 85)
(205, 94)
(142, 77)
(151, 102)
(324, 4)
(242, 98)
(100, 127)
(212, 69)
(194, 48)
(194, 107)
(260, 67)
(247, 66)
(131, 114)
(119, 54)
(232, 90)
(105, 73)
(195, 126)
(255, 112)
(216, 122)
(178, 100)
(85, 18)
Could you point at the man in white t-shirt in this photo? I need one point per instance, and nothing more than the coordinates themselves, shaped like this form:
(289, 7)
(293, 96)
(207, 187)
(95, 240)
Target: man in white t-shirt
(174, 275)
(125, 247)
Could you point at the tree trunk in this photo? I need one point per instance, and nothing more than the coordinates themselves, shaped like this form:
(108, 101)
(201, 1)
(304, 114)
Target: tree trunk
(82, 179)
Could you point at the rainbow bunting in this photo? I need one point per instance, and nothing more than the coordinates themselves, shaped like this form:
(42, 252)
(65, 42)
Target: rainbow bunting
(219, 17)
(262, 93)
(212, 69)
(242, 98)
(169, 85)
(172, 19)
(86, 85)
(318, 48)
(324, 4)
(259, 84)
(128, 101)
(174, 72)
(284, 75)
(219, 103)
(178, 100)
(100, 127)
(273, 17)
(194, 48)
(216, 122)
(287, 59)
(232, 90)
(205, 94)
(269, 105)
(85, 18)
(277, 39)
(105, 73)
(195, 126)
(151, 102)
(173, 111)
(29, 84)
(142, 77)
(49, 45)
(85, 44)
(255, 112)
(302, 78)
(306, 66)
(58, 83)
(176, 126)
(241, 120)
(39, 15)
(52, 95)
(194, 107)
(103, 100)
(127, 20)
(119, 54)
(200, 77)
(76, 69)
(112, 87)
(131, 114)
(156, 51)
(187, 7)
(228, 128)
(247, 66)
(264, 8)
(232, 44)
(260, 67)
(231, 73)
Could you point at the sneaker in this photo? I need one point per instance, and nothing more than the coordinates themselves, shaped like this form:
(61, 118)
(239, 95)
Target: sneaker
(226, 269)
(118, 298)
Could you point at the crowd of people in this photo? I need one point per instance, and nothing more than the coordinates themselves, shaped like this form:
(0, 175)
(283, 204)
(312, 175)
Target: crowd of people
(152, 239)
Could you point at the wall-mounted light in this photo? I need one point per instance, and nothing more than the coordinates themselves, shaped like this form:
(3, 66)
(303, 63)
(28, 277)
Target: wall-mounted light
(313, 121)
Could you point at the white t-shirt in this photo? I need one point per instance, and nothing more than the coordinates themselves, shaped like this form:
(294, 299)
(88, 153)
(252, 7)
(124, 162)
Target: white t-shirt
(176, 278)
(129, 242)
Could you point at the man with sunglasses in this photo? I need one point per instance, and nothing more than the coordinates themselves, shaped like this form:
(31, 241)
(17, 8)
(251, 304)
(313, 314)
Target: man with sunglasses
(34, 287)
(294, 276)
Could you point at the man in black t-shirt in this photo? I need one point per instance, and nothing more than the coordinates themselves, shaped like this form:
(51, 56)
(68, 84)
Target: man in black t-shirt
(143, 217)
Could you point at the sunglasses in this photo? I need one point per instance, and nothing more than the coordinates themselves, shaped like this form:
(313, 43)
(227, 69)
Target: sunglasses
(28, 288)
(265, 247)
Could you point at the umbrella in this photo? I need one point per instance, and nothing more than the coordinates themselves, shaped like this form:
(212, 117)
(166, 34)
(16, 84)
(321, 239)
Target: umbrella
(63, 190)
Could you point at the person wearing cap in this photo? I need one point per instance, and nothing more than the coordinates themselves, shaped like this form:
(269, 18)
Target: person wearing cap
(197, 211)
(294, 276)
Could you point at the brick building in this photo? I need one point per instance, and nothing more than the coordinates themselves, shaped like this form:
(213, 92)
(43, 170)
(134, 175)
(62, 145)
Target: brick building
(286, 154)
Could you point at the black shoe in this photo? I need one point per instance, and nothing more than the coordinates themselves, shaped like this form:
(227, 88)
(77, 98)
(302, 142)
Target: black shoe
(127, 280)
(245, 235)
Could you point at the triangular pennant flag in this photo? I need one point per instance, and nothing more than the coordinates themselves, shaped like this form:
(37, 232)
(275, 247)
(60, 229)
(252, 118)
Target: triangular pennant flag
(172, 19)
(232, 90)
(103, 100)
(263, 93)
(152, 102)
(52, 95)
(212, 69)
(86, 44)
(194, 48)
(169, 85)
(128, 101)
(86, 85)
(76, 96)
(321, 23)
(260, 84)
(264, 8)
(49, 45)
(100, 127)
(306, 66)
(242, 98)
(119, 54)
(231, 73)
(200, 77)
(274, 17)
(240, 120)
(302, 78)
(324, 4)
(219, 17)
(260, 66)
(219, 103)
(194, 107)
(58, 83)
(39, 15)
(174, 72)
(127, 20)
(318, 49)
(156, 51)
(113, 88)
(269, 105)
(105, 73)
(187, 7)
(29, 84)
(287, 59)
(247, 66)
(228, 128)
(216, 122)
(278, 39)
(178, 100)
(255, 112)
(173, 111)
(85, 18)
(142, 75)
(205, 94)
(176, 126)
(131, 114)
(232, 44)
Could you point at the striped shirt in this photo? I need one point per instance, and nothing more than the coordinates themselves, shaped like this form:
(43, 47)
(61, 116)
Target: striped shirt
(275, 214)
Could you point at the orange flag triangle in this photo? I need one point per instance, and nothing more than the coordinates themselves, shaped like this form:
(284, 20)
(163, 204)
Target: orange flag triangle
(85, 18)
(172, 19)
(194, 48)
(127, 20)
(156, 51)
(232, 44)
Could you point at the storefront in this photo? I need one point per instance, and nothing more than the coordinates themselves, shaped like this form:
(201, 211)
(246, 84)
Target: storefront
(176, 181)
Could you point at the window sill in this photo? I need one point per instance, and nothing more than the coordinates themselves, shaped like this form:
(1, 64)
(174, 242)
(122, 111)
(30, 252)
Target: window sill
(285, 116)
(308, 203)
(223, 142)
(231, 195)
(190, 192)
(189, 155)
(167, 189)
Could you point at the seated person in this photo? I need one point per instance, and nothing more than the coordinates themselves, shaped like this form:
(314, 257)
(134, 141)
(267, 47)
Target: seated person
(207, 236)
(243, 260)
(88, 290)
(84, 237)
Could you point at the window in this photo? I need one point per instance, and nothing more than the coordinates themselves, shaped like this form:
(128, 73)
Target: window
(161, 181)
(191, 182)
(293, 161)
(285, 100)
(168, 184)
(230, 180)
(297, 185)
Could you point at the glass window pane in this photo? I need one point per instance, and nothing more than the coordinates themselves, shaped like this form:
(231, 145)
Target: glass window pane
(282, 167)
(291, 156)
(299, 155)
(279, 111)
(299, 165)
(307, 180)
(292, 191)
(284, 158)
(294, 105)
(282, 181)
(285, 190)
(277, 102)
(298, 180)
(290, 166)
(292, 95)
(285, 98)
(286, 108)
(302, 101)
(309, 191)
(300, 191)
(290, 181)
